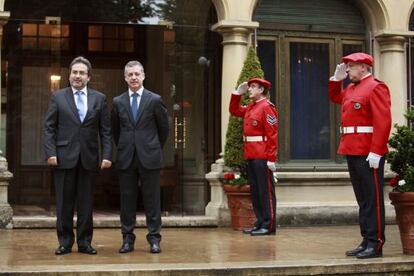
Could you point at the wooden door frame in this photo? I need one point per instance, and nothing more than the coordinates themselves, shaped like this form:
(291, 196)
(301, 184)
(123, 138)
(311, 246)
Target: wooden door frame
(282, 41)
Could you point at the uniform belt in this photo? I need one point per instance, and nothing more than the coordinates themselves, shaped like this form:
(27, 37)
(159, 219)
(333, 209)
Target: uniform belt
(254, 138)
(357, 129)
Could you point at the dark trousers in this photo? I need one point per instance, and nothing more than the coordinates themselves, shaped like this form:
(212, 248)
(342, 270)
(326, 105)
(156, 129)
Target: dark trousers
(263, 193)
(150, 187)
(74, 186)
(368, 188)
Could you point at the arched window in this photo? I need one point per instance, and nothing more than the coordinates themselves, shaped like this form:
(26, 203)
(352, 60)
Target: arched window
(299, 44)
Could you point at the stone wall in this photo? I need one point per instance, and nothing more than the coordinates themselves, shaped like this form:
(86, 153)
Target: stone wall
(6, 212)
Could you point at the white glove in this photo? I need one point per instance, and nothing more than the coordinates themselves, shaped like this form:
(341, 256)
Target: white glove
(275, 177)
(242, 88)
(271, 166)
(340, 72)
(373, 160)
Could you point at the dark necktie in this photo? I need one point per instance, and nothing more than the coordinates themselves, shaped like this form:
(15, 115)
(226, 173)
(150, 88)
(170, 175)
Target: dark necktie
(134, 105)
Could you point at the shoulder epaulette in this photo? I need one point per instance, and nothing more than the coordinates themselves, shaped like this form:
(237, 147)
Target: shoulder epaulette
(269, 102)
(378, 80)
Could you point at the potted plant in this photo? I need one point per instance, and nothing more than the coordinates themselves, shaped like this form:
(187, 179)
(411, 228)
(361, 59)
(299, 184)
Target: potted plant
(235, 179)
(401, 159)
(238, 198)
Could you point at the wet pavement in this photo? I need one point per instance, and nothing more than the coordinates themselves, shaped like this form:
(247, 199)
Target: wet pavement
(204, 251)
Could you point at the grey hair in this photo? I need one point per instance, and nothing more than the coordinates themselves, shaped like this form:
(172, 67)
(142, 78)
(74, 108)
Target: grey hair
(133, 63)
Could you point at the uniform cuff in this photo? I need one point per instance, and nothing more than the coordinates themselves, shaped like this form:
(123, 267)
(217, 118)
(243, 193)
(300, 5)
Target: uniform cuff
(271, 158)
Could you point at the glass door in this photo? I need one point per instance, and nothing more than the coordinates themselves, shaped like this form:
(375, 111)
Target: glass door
(182, 61)
(309, 112)
(191, 78)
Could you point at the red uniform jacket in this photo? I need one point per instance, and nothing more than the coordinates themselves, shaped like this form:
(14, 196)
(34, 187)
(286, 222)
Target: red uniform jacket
(260, 119)
(365, 104)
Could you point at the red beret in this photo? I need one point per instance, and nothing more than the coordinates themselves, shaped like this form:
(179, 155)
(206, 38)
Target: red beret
(266, 84)
(359, 57)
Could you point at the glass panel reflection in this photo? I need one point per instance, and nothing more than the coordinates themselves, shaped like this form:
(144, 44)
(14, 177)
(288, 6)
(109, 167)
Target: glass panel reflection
(95, 31)
(45, 30)
(266, 51)
(110, 33)
(29, 43)
(29, 29)
(309, 106)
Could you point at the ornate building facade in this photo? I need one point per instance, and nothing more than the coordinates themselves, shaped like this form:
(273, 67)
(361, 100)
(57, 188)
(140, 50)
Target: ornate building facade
(193, 52)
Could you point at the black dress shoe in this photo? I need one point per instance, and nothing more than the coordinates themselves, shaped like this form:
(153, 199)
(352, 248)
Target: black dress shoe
(369, 252)
(249, 230)
(126, 247)
(262, 232)
(61, 250)
(155, 247)
(355, 251)
(87, 250)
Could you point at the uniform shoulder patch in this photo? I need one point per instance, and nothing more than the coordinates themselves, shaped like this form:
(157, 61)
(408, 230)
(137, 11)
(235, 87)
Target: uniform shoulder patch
(271, 119)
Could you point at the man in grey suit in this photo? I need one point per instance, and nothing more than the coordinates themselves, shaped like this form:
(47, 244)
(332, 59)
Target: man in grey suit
(76, 119)
(140, 129)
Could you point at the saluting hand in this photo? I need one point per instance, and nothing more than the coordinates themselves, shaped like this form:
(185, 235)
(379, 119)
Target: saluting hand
(340, 72)
(242, 88)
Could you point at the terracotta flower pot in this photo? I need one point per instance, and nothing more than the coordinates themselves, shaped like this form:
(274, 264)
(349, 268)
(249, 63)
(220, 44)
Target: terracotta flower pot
(404, 210)
(240, 205)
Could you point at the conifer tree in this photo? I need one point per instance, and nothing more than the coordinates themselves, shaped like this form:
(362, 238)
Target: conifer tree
(233, 149)
(401, 156)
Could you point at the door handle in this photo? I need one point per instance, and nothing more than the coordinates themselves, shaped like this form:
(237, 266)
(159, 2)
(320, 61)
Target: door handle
(179, 136)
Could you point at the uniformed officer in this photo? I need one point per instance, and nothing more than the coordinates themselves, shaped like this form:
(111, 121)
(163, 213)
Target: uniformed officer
(365, 127)
(260, 146)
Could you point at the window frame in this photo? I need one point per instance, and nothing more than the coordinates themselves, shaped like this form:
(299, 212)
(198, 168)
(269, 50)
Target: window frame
(282, 40)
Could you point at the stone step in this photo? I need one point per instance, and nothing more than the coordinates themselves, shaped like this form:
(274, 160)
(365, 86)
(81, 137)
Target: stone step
(304, 214)
(303, 199)
(112, 221)
(349, 268)
(322, 196)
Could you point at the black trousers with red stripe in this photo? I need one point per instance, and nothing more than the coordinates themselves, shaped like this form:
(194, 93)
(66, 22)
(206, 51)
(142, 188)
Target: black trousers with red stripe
(262, 188)
(368, 188)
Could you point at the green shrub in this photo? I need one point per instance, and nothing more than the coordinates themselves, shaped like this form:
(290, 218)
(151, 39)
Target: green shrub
(233, 149)
(401, 157)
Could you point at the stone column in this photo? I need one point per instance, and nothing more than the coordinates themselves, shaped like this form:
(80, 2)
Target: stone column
(217, 207)
(235, 25)
(6, 212)
(235, 45)
(393, 73)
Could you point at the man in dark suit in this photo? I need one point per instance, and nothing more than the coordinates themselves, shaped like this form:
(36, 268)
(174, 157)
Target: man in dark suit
(140, 129)
(76, 118)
